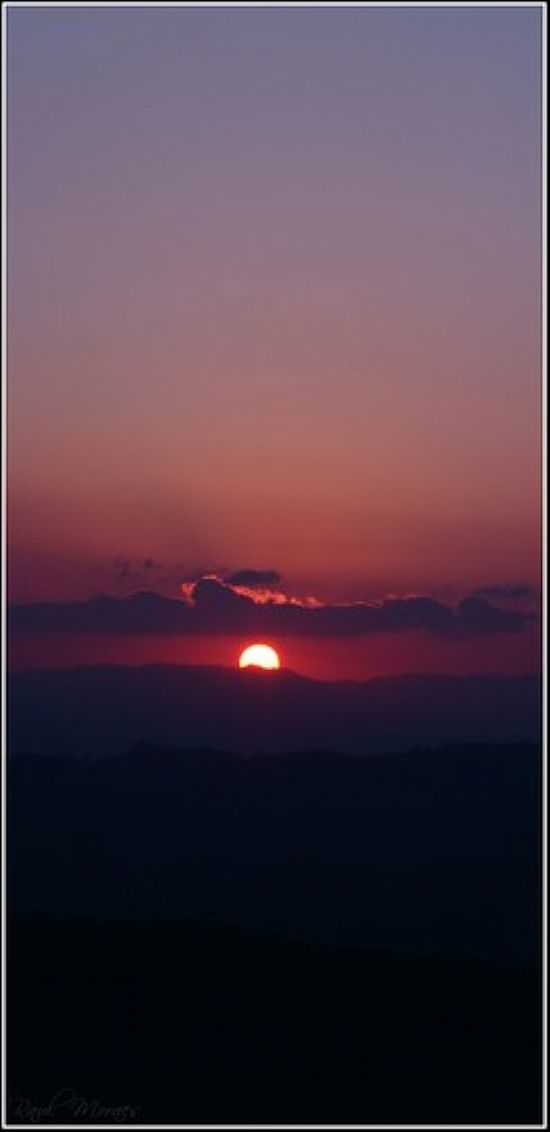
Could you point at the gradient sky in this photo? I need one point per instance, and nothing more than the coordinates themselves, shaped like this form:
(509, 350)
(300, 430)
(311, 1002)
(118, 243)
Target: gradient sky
(274, 297)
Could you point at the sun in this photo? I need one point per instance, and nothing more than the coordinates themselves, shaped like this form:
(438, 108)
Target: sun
(261, 656)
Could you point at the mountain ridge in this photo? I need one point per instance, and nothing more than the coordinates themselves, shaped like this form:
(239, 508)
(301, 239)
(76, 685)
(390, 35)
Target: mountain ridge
(101, 708)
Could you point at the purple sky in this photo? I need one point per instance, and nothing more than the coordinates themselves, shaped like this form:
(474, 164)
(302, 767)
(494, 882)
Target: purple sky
(274, 297)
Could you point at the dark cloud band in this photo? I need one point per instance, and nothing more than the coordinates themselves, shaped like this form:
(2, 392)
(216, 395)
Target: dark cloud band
(212, 606)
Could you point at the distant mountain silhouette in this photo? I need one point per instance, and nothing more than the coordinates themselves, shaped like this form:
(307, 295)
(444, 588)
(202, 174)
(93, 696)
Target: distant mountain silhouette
(101, 710)
(427, 851)
(312, 937)
(220, 910)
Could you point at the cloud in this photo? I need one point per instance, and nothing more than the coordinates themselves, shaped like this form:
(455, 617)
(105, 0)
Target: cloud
(256, 585)
(254, 579)
(211, 605)
(517, 592)
(478, 616)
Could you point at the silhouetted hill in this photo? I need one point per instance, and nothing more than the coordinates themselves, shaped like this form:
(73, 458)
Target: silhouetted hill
(312, 937)
(220, 911)
(104, 709)
(185, 1023)
(426, 851)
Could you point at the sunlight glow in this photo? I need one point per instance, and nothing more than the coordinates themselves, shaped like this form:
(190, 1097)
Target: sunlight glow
(262, 656)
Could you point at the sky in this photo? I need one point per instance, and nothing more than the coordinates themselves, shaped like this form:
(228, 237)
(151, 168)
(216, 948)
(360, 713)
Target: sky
(275, 304)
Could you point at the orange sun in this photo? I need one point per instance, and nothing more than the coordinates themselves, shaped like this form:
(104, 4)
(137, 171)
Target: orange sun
(261, 656)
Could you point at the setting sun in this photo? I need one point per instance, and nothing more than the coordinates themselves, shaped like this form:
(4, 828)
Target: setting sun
(261, 656)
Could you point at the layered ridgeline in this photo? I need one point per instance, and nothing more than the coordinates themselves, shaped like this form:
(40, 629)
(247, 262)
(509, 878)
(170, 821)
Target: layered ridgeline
(105, 709)
(299, 937)
(426, 852)
(245, 919)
